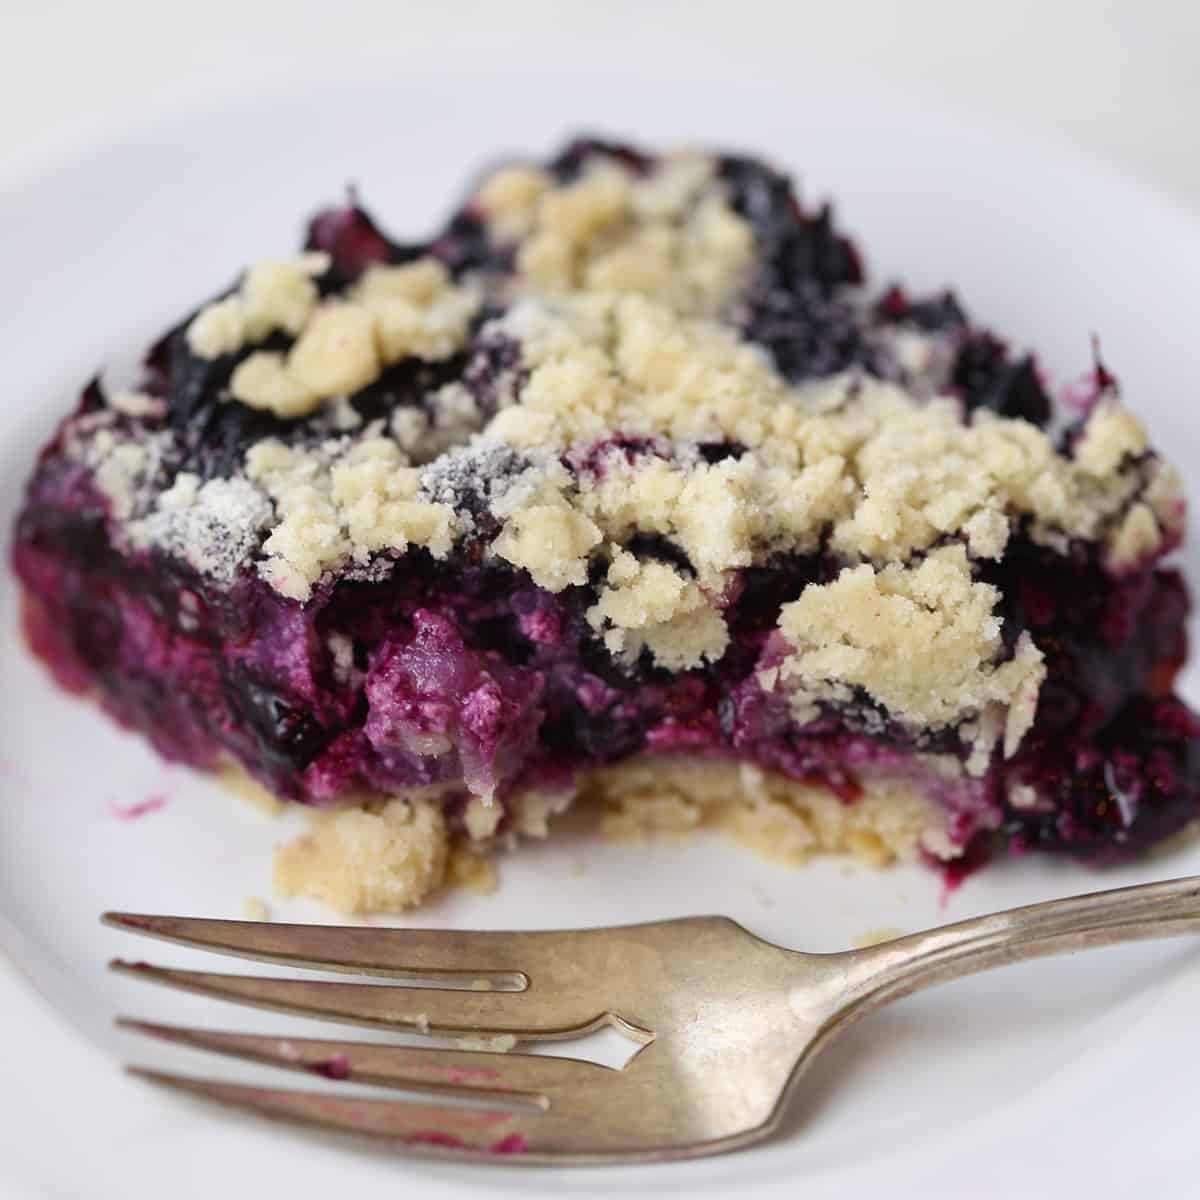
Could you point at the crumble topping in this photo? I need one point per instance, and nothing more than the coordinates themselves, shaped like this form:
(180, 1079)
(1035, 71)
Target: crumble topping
(782, 819)
(211, 526)
(667, 232)
(922, 641)
(126, 470)
(1137, 536)
(535, 807)
(1149, 523)
(123, 471)
(724, 515)
(393, 853)
(550, 541)
(444, 423)
(367, 861)
(345, 500)
(483, 470)
(219, 328)
(509, 199)
(336, 352)
(275, 294)
(263, 381)
(481, 815)
(890, 474)
(883, 474)
(650, 605)
(1111, 435)
(390, 853)
(472, 871)
(417, 310)
(592, 432)
(255, 909)
(884, 477)
(342, 344)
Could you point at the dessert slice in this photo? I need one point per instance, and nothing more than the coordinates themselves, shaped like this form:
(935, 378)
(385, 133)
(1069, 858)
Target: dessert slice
(621, 488)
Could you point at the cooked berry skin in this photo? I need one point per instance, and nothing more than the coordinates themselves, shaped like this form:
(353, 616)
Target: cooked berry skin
(983, 372)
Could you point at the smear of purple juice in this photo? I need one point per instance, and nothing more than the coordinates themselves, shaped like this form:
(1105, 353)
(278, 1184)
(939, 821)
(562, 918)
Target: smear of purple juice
(142, 808)
(335, 1067)
(956, 871)
(515, 1143)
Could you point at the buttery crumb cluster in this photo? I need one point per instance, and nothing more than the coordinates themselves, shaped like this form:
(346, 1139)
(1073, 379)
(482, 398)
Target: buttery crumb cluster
(343, 343)
(393, 853)
(624, 373)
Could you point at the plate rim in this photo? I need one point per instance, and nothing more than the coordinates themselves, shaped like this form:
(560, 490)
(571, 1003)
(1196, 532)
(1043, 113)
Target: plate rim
(75, 147)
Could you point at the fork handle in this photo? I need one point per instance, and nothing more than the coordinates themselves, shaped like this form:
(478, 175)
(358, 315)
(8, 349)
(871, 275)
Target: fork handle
(878, 974)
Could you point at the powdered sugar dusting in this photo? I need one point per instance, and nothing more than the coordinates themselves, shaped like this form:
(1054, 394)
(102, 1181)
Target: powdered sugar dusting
(212, 526)
(473, 477)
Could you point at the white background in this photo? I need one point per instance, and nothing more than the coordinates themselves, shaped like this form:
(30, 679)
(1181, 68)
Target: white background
(1120, 81)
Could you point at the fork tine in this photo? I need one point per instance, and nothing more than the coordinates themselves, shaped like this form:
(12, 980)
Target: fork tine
(435, 1129)
(404, 952)
(416, 1068)
(438, 1011)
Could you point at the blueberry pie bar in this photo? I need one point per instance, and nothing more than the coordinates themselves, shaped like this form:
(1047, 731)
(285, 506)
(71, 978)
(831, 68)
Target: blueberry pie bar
(621, 491)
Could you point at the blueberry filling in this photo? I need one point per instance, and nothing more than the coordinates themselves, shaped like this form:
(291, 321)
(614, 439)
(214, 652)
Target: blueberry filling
(983, 374)
(477, 659)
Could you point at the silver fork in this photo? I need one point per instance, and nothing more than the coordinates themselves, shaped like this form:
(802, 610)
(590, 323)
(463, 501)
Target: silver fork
(728, 1021)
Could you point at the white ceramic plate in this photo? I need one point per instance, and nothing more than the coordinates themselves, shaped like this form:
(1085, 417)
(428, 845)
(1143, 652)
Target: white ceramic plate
(1052, 1076)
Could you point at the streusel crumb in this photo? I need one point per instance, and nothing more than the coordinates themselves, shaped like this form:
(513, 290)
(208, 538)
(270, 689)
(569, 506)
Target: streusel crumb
(780, 818)
(391, 854)
(360, 861)
(254, 909)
